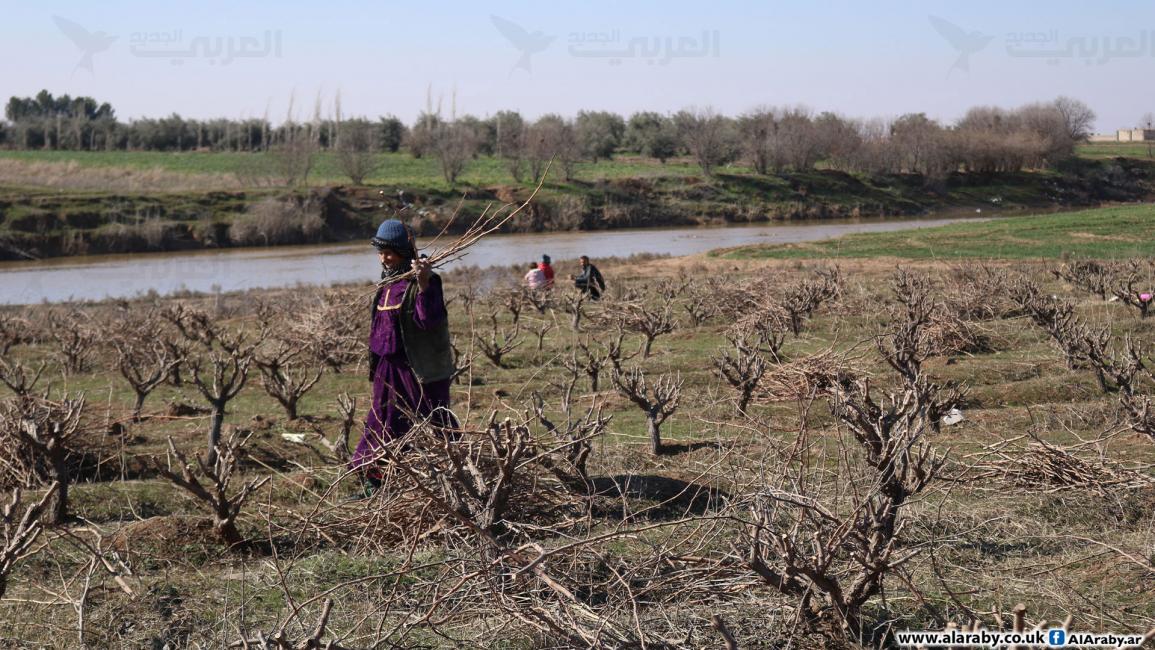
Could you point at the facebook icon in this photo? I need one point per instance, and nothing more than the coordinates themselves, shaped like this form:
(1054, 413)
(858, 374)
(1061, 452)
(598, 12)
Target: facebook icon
(1057, 636)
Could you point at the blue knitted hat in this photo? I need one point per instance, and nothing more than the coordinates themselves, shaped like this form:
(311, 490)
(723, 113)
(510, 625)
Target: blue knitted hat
(393, 234)
(545, 259)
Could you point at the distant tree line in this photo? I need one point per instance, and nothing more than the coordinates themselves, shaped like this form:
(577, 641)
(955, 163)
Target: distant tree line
(769, 139)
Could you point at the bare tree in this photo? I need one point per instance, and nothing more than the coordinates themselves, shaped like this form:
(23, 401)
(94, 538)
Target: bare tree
(144, 365)
(46, 430)
(658, 401)
(294, 157)
(742, 367)
(576, 438)
(220, 373)
(20, 531)
(573, 303)
(709, 136)
(499, 342)
(285, 376)
(1078, 118)
(18, 377)
(347, 408)
(650, 322)
(454, 145)
(75, 338)
(219, 475)
(357, 150)
(800, 299)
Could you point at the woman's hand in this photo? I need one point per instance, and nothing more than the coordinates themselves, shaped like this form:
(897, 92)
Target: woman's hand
(424, 269)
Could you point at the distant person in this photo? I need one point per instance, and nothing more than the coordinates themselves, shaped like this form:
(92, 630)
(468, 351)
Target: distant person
(534, 278)
(410, 355)
(590, 279)
(547, 270)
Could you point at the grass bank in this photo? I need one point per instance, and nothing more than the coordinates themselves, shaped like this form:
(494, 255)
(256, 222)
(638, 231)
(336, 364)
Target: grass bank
(1124, 231)
(71, 203)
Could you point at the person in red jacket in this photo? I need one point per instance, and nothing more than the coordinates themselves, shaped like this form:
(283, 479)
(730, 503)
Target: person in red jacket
(547, 270)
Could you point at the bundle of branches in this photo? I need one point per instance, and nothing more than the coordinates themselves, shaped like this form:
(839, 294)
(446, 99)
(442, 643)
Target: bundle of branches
(937, 327)
(1040, 465)
(1089, 275)
(977, 292)
(488, 222)
(800, 378)
(458, 485)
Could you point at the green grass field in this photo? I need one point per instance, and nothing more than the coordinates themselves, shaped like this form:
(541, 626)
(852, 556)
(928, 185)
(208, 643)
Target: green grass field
(1106, 232)
(395, 168)
(1116, 150)
(402, 168)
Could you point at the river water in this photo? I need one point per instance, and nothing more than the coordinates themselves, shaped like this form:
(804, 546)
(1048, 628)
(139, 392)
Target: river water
(123, 276)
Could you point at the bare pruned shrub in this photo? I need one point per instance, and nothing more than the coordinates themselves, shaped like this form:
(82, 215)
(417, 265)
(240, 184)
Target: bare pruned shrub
(20, 531)
(977, 292)
(1056, 317)
(650, 322)
(220, 372)
(347, 409)
(272, 221)
(802, 298)
(286, 374)
(834, 560)
(574, 439)
(473, 474)
(658, 399)
(75, 338)
(14, 330)
(211, 484)
(741, 366)
(585, 358)
(36, 442)
(144, 364)
(1088, 275)
(1133, 286)
(282, 639)
(498, 341)
(19, 378)
(573, 303)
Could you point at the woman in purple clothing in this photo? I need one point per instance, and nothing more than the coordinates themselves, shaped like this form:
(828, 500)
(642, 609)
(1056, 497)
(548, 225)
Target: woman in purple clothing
(410, 357)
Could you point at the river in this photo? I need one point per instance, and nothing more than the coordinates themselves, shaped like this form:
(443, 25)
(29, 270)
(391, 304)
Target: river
(123, 276)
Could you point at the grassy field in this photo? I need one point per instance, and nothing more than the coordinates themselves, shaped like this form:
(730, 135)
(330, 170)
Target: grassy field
(1044, 498)
(1125, 231)
(419, 173)
(1115, 150)
(395, 168)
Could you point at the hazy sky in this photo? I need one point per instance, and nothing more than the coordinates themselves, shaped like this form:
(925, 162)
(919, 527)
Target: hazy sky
(878, 59)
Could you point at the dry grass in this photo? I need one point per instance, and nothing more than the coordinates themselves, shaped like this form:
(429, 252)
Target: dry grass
(74, 176)
(651, 551)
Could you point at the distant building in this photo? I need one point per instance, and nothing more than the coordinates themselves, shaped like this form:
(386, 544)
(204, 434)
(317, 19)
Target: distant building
(1125, 135)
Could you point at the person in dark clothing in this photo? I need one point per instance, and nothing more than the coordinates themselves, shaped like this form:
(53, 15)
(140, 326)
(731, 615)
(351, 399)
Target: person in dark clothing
(410, 357)
(590, 279)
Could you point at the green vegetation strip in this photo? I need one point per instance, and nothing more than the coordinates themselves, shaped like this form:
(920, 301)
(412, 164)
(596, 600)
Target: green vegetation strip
(1105, 232)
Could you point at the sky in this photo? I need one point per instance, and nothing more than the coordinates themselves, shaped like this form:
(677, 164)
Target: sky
(881, 59)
